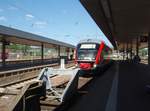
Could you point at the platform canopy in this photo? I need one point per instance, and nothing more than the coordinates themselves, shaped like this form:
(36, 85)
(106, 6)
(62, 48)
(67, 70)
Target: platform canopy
(122, 21)
(17, 36)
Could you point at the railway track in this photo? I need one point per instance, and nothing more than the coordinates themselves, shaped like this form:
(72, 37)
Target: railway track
(48, 105)
(15, 80)
(22, 83)
(8, 78)
(14, 89)
(27, 61)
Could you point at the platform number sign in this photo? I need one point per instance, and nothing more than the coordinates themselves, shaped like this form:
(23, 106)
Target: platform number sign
(143, 39)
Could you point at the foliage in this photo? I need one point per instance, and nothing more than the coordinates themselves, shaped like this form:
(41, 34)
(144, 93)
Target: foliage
(18, 47)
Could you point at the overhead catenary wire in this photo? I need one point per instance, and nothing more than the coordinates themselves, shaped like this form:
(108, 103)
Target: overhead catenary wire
(29, 12)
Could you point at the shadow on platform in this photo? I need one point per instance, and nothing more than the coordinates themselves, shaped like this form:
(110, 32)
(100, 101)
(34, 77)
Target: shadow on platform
(120, 88)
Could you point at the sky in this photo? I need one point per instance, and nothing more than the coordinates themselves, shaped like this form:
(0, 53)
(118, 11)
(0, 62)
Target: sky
(63, 20)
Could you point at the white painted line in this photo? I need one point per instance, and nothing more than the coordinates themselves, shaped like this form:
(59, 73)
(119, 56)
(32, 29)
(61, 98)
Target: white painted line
(112, 99)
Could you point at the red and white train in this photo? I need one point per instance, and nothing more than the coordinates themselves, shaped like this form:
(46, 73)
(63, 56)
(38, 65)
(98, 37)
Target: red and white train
(91, 54)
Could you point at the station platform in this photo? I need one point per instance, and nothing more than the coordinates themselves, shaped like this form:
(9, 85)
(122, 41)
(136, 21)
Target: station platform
(120, 88)
(29, 63)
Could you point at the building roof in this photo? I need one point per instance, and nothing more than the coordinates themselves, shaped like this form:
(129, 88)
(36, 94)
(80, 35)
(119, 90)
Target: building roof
(22, 37)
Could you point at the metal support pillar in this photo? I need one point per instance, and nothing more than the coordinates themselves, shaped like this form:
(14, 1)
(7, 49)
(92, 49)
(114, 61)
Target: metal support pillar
(3, 54)
(148, 48)
(137, 46)
(42, 52)
(123, 54)
(58, 51)
(68, 53)
(131, 51)
(127, 50)
(123, 51)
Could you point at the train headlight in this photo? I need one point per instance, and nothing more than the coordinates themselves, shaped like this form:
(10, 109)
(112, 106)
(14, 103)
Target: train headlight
(94, 65)
(76, 65)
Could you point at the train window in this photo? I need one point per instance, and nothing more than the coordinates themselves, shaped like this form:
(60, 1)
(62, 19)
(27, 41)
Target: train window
(87, 51)
(87, 54)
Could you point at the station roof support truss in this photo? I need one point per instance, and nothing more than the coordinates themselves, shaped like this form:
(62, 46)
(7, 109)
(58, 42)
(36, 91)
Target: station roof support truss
(120, 20)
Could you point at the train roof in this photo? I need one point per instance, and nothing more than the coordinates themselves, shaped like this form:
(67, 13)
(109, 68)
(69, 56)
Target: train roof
(90, 41)
(93, 41)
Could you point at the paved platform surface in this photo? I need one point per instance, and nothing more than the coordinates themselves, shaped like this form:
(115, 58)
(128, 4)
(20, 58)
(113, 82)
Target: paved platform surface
(120, 88)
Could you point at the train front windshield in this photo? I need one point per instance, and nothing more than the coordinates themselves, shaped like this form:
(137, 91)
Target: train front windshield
(87, 51)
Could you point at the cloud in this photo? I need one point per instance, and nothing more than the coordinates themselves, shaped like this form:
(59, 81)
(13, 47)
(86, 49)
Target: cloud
(29, 17)
(3, 18)
(1, 10)
(12, 8)
(40, 24)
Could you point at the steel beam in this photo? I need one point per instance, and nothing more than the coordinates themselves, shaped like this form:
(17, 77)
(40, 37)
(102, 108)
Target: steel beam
(127, 48)
(149, 48)
(137, 46)
(59, 51)
(131, 50)
(3, 54)
(123, 51)
(42, 52)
